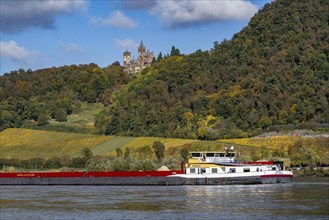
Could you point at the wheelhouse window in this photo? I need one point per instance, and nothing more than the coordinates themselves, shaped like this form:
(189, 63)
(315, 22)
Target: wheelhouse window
(246, 169)
(213, 170)
(196, 155)
(219, 154)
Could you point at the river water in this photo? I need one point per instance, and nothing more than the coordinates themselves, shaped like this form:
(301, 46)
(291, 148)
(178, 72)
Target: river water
(305, 198)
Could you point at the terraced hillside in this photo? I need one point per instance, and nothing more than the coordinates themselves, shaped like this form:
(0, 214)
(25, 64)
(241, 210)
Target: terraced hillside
(26, 143)
(272, 143)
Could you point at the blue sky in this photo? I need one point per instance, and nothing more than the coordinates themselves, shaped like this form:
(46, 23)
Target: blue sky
(45, 33)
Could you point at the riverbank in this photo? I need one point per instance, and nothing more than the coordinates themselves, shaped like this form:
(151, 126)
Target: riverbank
(307, 172)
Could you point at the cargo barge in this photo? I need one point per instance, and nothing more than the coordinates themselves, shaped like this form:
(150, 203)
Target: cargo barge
(203, 168)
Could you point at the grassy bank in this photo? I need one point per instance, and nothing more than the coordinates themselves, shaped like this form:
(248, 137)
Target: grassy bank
(26, 144)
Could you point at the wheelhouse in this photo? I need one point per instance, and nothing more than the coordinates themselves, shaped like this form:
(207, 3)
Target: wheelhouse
(215, 162)
(213, 157)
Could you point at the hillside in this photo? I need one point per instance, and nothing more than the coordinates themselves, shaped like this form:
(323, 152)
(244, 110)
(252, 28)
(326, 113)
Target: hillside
(27, 143)
(64, 98)
(59, 149)
(272, 75)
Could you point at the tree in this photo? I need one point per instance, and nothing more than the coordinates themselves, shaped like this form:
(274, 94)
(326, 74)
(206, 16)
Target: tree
(294, 152)
(8, 119)
(255, 155)
(78, 162)
(54, 162)
(60, 115)
(89, 95)
(145, 152)
(81, 162)
(118, 150)
(159, 57)
(66, 161)
(126, 153)
(42, 119)
(86, 153)
(159, 149)
(113, 125)
(174, 51)
(264, 152)
(184, 152)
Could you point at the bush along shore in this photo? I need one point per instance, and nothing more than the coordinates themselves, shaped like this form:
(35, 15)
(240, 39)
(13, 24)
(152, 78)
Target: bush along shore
(315, 172)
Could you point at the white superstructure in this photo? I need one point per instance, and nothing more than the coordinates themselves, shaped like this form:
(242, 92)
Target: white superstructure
(221, 167)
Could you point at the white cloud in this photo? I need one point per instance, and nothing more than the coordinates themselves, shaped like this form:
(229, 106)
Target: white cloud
(71, 47)
(18, 15)
(126, 44)
(139, 4)
(175, 14)
(16, 53)
(115, 19)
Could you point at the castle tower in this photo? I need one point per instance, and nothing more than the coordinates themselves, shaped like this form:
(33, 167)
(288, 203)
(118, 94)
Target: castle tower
(141, 48)
(126, 58)
(141, 54)
(144, 59)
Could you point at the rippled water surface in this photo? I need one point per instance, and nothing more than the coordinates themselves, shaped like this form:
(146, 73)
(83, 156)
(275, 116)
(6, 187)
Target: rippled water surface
(302, 199)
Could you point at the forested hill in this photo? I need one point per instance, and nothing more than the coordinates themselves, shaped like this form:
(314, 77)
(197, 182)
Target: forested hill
(37, 96)
(275, 72)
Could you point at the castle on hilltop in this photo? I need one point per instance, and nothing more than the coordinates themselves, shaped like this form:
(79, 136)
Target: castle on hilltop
(145, 58)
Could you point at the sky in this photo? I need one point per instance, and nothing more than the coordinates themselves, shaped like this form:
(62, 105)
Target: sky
(36, 34)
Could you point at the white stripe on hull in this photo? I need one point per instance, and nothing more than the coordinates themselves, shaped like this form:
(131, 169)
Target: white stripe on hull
(240, 178)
